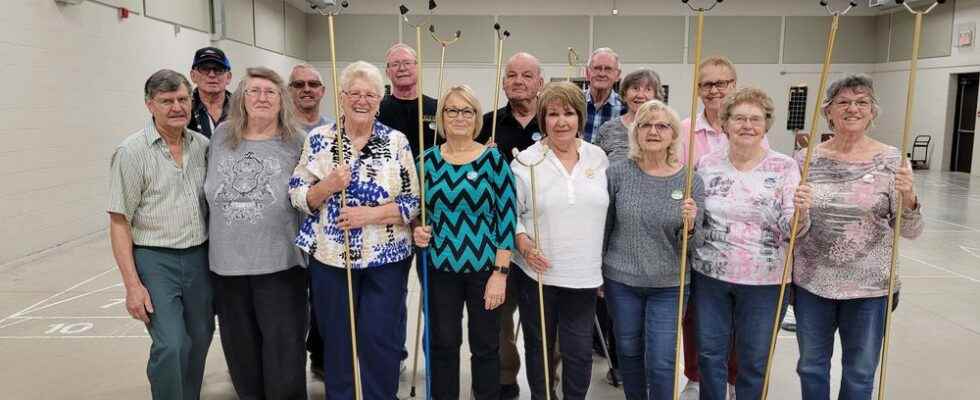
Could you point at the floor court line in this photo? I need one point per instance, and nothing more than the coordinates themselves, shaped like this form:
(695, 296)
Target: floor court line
(28, 309)
(46, 306)
(928, 264)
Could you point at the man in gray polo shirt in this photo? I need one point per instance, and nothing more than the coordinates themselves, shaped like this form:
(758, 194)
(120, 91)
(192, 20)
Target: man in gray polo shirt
(157, 226)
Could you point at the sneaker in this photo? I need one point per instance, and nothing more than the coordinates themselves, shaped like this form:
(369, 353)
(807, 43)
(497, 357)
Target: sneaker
(789, 320)
(731, 392)
(509, 392)
(692, 391)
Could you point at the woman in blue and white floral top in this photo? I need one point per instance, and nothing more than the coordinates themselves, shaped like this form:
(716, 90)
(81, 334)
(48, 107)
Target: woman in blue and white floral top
(382, 198)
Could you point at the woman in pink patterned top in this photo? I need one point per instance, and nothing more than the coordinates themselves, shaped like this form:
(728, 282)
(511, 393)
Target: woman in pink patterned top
(841, 266)
(751, 193)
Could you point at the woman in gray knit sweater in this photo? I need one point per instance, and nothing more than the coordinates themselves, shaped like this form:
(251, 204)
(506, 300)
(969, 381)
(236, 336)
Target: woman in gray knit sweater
(642, 244)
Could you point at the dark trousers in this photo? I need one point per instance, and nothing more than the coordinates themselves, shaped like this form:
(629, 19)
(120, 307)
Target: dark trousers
(745, 311)
(314, 343)
(263, 323)
(606, 323)
(182, 323)
(379, 297)
(448, 292)
(569, 317)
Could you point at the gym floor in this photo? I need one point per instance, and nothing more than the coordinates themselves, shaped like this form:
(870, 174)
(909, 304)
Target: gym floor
(65, 334)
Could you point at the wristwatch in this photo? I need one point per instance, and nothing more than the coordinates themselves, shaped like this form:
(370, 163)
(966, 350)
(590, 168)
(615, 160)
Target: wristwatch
(502, 270)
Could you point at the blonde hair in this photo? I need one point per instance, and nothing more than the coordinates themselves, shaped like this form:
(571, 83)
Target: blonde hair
(466, 93)
(719, 61)
(748, 95)
(566, 94)
(238, 115)
(645, 113)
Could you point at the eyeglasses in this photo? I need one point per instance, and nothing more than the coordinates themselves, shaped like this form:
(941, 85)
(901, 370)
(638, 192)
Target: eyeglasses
(362, 96)
(210, 69)
(169, 103)
(659, 126)
(401, 64)
(722, 84)
(305, 84)
(467, 113)
(755, 120)
(258, 93)
(862, 104)
(602, 69)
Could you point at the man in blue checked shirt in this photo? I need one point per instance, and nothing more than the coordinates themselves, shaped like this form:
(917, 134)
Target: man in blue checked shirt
(602, 102)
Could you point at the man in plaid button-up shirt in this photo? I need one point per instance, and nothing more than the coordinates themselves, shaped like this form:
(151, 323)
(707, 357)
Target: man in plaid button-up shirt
(602, 102)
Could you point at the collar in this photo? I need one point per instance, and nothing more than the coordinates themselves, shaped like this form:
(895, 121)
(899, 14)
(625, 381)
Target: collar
(152, 135)
(196, 96)
(701, 124)
(613, 99)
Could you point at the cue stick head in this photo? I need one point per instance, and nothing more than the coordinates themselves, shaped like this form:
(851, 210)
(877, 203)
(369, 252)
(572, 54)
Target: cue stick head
(458, 33)
(432, 28)
(432, 5)
(854, 4)
(506, 33)
(940, 1)
(402, 9)
(684, 1)
(344, 4)
(823, 3)
(899, 1)
(496, 27)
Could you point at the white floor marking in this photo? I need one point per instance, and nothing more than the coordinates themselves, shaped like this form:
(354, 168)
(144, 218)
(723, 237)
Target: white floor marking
(70, 299)
(28, 309)
(928, 264)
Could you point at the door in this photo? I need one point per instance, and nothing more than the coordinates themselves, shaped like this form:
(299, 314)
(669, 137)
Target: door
(964, 121)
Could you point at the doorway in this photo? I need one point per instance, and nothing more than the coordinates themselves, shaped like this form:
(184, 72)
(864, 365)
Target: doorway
(964, 122)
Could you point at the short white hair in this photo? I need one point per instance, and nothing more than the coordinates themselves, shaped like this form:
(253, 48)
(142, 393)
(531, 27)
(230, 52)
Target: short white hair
(403, 46)
(305, 66)
(604, 50)
(362, 70)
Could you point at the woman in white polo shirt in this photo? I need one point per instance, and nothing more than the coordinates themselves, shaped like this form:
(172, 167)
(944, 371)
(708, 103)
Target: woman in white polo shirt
(571, 210)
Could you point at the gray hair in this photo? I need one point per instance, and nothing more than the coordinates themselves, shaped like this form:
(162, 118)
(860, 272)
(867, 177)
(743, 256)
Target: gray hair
(860, 83)
(238, 114)
(605, 50)
(404, 46)
(305, 66)
(162, 81)
(642, 76)
(362, 70)
(529, 56)
(646, 112)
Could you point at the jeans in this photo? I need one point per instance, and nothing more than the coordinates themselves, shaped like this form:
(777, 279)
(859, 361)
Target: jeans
(747, 311)
(569, 315)
(861, 326)
(645, 323)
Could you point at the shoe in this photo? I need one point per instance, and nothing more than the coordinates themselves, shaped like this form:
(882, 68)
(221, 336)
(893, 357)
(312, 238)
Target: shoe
(509, 392)
(692, 391)
(731, 392)
(789, 320)
(612, 378)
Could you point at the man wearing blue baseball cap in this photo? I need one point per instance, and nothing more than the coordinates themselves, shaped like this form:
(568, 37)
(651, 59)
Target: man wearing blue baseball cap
(211, 73)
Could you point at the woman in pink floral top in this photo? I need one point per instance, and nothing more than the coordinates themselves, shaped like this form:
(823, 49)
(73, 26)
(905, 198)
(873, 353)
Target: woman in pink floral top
(841, 266)
(751, 193)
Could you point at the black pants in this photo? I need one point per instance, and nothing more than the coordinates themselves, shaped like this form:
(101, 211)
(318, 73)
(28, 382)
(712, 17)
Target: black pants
(569, 316)
(449, 291)
(263, 323)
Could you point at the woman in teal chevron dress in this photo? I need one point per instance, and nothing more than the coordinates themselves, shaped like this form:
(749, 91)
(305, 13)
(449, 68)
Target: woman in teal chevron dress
(470, 199)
